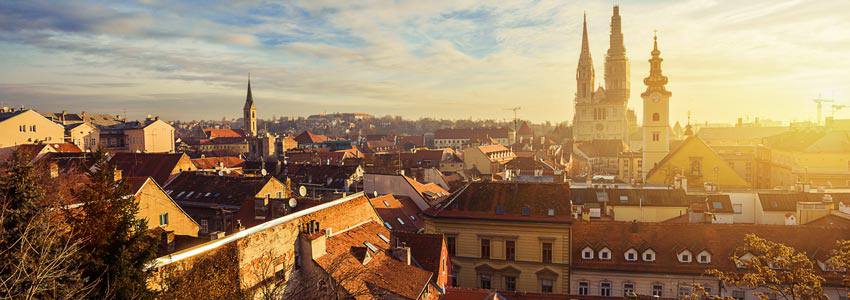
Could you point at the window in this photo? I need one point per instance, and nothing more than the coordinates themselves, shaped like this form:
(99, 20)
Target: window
(388, 225)
(259, 208)
(546, 285)
(628, 288)
(704, 257)
(510, 250)
(696, 167)
(656, 136)
(485, 248)
(510, 283)
(738, 208)
(583, 288)
(450, 244)
(587, 253)
(657, 290)
(547, 252)
(32, 128)
(22, 128)
(739, 295)
(526, 211)
(685, 256)
(685, 291)
(163, 219)
(605, 254)
(400, 221)
(656, 117)
(484, 281)
(649, 255)
(605, 288)
(205, 225)
(631, 255)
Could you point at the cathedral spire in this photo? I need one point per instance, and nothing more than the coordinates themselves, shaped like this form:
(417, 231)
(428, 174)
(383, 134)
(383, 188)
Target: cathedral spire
(616, 46)
(584, 72)
(249, 99)
(617, 82)
(249, 113)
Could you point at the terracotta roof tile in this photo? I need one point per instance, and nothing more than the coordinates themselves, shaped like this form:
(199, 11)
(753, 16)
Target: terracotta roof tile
(159, 166)
(509, 201)
(392, 208)
(212, 162)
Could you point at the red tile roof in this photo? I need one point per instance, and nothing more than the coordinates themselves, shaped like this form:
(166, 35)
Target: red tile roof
(471, 133)
(668, 240)
(392, 208)
(159, 166)
(524, 129)
(308, 137)
(509, 201)
(426, 249)
(382, 274)
(459, 293)
(212, 162)
(214, 189)
(214, 133)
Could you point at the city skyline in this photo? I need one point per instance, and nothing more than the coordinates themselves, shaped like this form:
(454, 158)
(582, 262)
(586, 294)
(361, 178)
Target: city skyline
(443, 60)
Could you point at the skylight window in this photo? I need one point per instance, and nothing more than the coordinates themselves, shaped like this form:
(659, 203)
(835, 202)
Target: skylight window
(400, 221)
(412, 217)
(180, 194)
(383, 237)
(386, 204)
(370, 246)
(387, 224)
(717, 205)
(189, 195)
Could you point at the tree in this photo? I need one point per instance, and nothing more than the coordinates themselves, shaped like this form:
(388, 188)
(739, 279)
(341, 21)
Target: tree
(115, 245)
(840, 261)
(37, 253)
(773, 268)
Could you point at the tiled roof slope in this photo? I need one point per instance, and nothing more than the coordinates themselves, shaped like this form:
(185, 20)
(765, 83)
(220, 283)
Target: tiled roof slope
(155, 165)
(426, 249)
(213, 189)
(509, 201)
(391, 208)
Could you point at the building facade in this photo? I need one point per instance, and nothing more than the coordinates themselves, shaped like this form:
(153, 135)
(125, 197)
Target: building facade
(27, 127)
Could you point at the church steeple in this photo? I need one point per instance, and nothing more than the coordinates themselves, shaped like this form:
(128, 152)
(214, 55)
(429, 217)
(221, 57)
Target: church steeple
(617, 83)
(656, 81)
(249, 113)
(584, 73)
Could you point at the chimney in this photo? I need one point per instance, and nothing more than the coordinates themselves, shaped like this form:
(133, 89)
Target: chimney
(402, 253)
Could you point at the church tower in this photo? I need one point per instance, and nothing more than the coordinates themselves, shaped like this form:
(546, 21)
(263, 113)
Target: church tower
(656, 113)
(616, 63)
(249, 113)
(584, 73)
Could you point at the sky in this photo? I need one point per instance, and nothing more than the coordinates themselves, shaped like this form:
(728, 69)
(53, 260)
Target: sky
(454, 59)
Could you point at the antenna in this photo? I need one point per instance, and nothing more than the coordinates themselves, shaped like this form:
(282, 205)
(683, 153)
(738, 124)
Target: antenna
(514, 109)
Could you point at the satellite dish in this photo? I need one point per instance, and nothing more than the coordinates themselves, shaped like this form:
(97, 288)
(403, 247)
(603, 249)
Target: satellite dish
(263, 172)
(293, 202)
(302, 190)
(220, 173)
(375, 193)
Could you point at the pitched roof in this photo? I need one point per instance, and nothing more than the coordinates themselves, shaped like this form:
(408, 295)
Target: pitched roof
(462, 293)
(668, 240)
(426, 249)
(329, 176)
(391, 209)
(159, 166)
(212, 162)
(381, 274)
(509, 201)
(214, 133)
(432, 192)
(601, 148)
(780, 201)
(833, 220)
(212, 189)
(734, 176)
(739, 133)
(9, 114)
(631, 197)
(308, 137)
(471, 133)
(524, 129)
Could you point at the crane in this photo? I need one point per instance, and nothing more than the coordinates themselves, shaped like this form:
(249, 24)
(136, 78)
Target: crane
(820, 102)
(837, 107)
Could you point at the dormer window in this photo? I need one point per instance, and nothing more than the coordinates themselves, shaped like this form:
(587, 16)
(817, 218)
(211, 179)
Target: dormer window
(587, 253)
(631, 255)
(685, 256)
(743, 260)
(704, 257)
(605, 254)
(649, 255)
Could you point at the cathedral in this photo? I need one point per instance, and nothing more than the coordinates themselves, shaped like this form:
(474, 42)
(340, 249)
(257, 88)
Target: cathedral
(602, 113)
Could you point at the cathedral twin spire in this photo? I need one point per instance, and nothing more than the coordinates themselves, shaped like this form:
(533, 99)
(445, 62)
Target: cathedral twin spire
(616, 65)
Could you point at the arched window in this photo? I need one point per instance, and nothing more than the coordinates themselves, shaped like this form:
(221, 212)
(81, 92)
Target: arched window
(656, 117)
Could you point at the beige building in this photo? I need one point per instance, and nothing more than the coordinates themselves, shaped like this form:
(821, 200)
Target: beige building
(84, 135)
(158, 209)
(18, 127)
(507, 236)
(487, 159)
(149, 136)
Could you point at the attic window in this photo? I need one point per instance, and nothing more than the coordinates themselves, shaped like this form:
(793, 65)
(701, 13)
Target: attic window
(717, 205)
(624, 199)
(649, 255)
(180, 194)
(631, 255)
(526, 211)
(412, 218)
(208, 194)
(386, 204)
(370, 246)
(605, 254)
(551, 212)
(400, 221)
(387, 224)
(383, 237)
(190, 194)
(704, 257)
(685, 256)
(587, 253)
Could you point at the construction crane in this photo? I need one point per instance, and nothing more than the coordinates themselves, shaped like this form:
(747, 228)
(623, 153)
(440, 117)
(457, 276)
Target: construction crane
(820, 101)
(837, 107)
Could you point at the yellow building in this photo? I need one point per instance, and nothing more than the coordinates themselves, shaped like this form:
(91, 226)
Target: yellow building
(28, 127)
(149, 136)
(507, 236)
(487, 159)
(84, 135)
(159, 209)
(699, 164)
